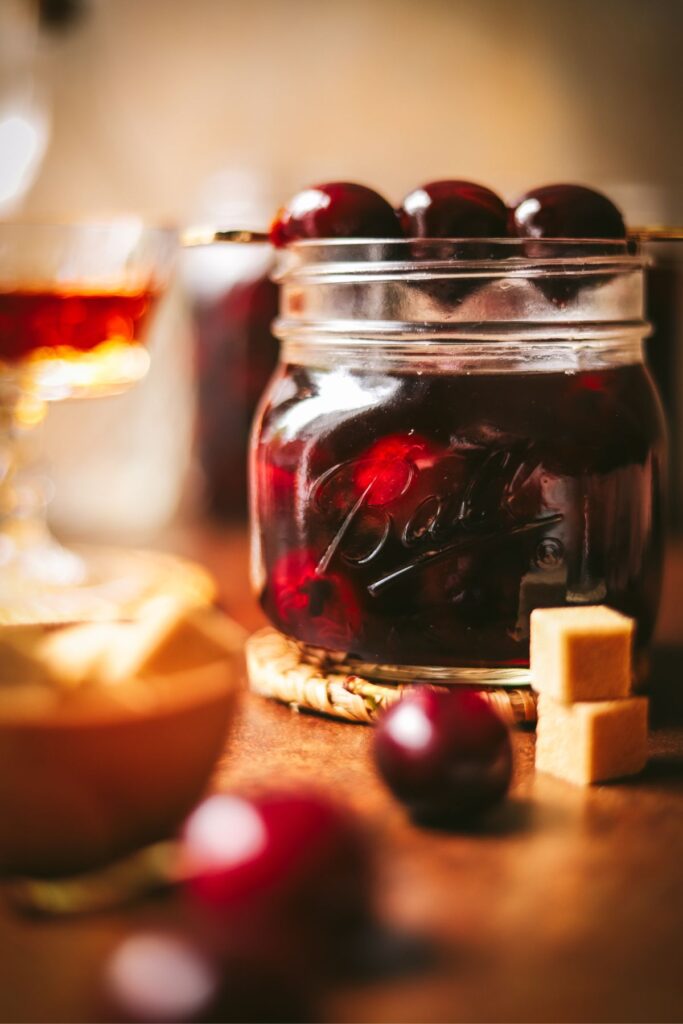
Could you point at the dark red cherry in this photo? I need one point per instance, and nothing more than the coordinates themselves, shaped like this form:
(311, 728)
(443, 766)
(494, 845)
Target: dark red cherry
(338, 209)
(277, 463)
(159, 976)
(285, 863)
(387, 468)
(566, 211)
(453, 209)
(305, 599)
(445, 754)
(162, 976)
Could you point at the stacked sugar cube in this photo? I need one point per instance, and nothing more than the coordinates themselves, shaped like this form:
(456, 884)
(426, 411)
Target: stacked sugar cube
(590, 728)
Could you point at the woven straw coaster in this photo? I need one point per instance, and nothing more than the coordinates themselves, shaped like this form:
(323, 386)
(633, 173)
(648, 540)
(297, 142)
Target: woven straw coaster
(277, 669)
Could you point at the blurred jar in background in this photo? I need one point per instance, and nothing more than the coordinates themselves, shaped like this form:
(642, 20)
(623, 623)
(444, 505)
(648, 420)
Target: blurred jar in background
(665, 312)
(233, 302)
(651, 204)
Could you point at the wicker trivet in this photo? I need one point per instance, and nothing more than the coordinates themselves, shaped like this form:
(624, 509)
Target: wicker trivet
(276, 669)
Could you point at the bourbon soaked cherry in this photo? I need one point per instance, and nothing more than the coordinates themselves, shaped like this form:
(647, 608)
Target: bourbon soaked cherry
(566, 211)
(303, 590)
(337, 209)
(386, 470)
(453, 209)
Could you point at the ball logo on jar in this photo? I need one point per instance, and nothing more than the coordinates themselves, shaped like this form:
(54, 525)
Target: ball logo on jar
(437, 503)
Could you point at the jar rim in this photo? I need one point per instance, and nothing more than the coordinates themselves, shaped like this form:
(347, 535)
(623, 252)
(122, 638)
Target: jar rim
(615, 244)
(457, 287)
(407, 255)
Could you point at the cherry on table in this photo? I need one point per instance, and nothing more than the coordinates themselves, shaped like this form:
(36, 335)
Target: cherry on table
(336, 209)
(158, 976)
(445, 754)
(453, 209)
(288, 865)
(566, 211)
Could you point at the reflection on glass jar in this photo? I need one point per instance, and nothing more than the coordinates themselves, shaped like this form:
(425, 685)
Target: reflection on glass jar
(457, 433)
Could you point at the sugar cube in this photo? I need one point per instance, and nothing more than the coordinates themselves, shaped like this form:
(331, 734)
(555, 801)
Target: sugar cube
(581, 653)
(591, 741)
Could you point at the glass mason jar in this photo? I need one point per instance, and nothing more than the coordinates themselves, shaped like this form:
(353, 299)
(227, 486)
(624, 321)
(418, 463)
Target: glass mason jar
(458, 432)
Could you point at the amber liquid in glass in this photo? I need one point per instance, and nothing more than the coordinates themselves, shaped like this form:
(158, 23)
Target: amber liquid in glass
(36, 322)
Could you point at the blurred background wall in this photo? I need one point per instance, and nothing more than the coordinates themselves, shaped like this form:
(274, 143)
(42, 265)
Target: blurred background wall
(149, 98)
(193, 109)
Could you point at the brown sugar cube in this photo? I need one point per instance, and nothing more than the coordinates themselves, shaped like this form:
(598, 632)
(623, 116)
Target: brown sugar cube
(591, 741)
(581, 653)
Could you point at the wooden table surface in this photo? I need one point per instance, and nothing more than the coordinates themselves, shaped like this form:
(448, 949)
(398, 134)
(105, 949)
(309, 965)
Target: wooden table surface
(568, 907)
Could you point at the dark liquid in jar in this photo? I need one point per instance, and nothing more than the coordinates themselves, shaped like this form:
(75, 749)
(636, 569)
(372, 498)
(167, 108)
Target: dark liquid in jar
(417, 519)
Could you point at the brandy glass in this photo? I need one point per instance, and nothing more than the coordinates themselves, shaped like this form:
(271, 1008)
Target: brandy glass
(76, 301)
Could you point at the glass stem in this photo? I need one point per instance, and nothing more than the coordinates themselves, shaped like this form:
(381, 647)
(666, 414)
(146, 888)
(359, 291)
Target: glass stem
(26, 545)
(21, 499)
